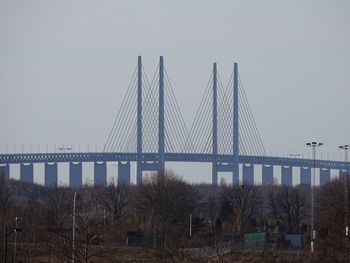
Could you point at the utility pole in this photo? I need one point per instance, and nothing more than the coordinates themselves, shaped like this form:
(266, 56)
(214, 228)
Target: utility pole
(73, 234)
(313, 232)
(346, 148)
(5, 244)
(18, 228)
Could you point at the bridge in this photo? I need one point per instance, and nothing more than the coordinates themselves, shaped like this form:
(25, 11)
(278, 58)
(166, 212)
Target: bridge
(150, 130)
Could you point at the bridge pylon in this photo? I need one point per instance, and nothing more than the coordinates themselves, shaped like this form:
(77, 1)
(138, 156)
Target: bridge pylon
(214, 175)
(235, 146)
(158, 164)
(139, 121)
(217, 165)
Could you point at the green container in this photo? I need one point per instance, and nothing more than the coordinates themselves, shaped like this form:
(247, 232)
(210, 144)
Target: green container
(254, 239)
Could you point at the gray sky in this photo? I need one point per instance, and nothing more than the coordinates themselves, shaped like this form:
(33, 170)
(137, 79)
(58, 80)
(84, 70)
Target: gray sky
(65, 65)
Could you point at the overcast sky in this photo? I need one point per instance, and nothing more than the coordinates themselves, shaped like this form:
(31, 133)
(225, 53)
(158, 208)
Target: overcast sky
(65, 65)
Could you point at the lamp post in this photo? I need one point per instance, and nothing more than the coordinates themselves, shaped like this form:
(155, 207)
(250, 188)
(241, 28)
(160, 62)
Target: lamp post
(73, 236)
(346, 148)
(18, 228)
(313, 145)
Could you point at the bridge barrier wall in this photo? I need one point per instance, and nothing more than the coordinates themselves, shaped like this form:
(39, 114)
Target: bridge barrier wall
(26, 172)
(124, 172)
(287, 175)
(248, 174)
(51, 174)
(75, 174)
(305, 175)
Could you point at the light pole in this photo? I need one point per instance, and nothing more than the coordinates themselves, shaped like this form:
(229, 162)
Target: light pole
(18, 228)
(190, 225)
(73, 237)
(345, 148)
(313, 145)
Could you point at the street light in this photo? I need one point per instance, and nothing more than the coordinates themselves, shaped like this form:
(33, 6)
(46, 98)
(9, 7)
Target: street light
(313, 145)
(18, 228)
(345, 148)
(73, 237)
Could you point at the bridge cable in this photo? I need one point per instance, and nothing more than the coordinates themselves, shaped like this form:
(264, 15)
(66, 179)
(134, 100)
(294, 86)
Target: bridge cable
(178, 114)
(150, 120)
(173, 131)
(123, 124)
(113, 133)
(250, 129)
(204, 128)
(110, 136)
(252, 117)
(252, 124)
(198, 116)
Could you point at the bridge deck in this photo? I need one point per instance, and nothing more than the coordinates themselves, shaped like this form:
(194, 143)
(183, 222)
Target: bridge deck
(224, 160)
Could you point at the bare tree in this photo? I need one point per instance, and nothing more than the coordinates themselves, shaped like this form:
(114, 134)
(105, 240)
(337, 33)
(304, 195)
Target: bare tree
(58, 221)
(239, 206)
(90, 229)
(88, 223)
(213, 209)
(115, 198)
(165, 201)
(5, 198)
(288, 205)
(330, 218)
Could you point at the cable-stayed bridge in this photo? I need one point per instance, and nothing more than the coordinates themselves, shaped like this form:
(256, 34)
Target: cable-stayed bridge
(150, 130)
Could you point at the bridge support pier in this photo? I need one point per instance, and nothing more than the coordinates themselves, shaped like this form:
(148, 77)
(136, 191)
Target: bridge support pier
(5, 171)
(214, 173)
(51, 177)
(267, 174)
(26, 172)
(248, 174)
(286, 175)
(124, 173)
(75, 174)
(325, 176)
(305, 175)
(100, 173)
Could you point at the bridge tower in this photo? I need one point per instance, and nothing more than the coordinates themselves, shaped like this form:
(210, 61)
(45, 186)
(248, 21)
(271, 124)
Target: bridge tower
(215, 128)
(139, 122)
(161, 126)
(235, 146)
(217, 165)
(159, 163)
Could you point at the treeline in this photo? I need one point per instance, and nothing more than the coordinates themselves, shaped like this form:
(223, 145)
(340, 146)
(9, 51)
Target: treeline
(166, 218)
